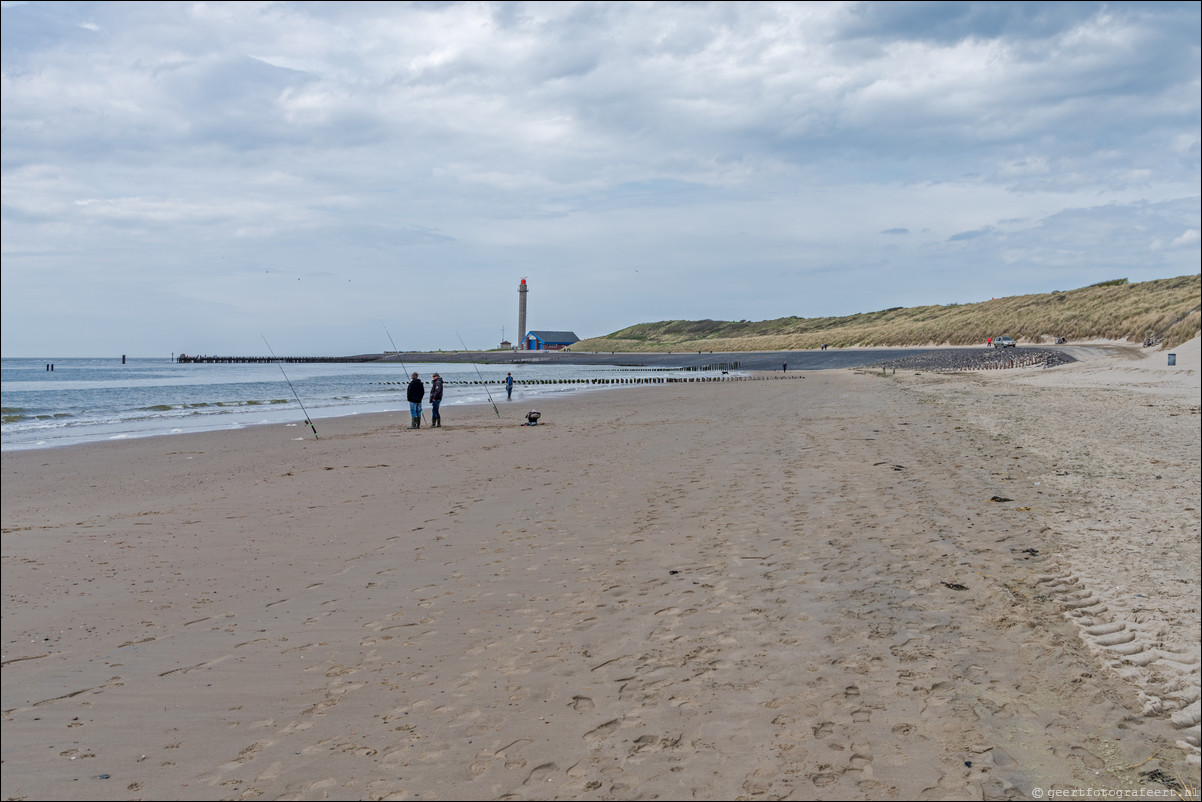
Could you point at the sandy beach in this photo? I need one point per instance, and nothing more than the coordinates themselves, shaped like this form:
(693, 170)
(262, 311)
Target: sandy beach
(835, 585)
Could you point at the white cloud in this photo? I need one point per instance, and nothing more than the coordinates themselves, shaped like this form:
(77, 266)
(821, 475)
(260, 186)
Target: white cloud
(1189, 240)
(379, 145)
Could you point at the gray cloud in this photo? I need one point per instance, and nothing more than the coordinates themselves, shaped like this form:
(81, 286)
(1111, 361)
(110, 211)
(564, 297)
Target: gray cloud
(413, 161)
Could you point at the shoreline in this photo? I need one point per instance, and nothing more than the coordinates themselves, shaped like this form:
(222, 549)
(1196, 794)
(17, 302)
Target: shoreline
(528, 392)
(26, 433)
(793, 588)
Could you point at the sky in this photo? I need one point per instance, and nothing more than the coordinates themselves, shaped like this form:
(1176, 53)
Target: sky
(331, 178)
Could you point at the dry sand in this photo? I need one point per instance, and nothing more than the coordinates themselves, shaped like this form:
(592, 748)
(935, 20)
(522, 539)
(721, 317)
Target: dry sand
(791, 588)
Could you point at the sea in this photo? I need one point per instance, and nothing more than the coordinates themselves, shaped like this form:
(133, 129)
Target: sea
(49, 403)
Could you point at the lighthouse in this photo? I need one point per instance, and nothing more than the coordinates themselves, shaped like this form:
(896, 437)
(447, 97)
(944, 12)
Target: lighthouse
(522, 314)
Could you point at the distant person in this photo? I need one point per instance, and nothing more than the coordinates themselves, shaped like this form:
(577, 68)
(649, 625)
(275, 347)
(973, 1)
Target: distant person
(784, 368)
(415, 394)
(509, 387)
(435, 400)
(988, 342)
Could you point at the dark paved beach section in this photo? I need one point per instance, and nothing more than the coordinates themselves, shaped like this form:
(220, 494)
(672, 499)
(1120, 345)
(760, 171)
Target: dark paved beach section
(907, 358)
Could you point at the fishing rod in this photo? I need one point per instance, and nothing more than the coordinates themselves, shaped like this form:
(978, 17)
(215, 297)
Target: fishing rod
(398, 354)
(481, 378)
(294, 393)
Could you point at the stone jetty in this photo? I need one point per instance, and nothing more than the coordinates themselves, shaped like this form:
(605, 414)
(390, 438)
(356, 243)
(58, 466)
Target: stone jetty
(953, 359)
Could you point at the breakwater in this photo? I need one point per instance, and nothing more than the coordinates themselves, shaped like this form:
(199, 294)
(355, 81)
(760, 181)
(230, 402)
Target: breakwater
(186, 359)
(949, 359)
(207, 359)
(721, 377)
(976, 359)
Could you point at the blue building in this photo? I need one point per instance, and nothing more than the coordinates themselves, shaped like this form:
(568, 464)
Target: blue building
(549, 340)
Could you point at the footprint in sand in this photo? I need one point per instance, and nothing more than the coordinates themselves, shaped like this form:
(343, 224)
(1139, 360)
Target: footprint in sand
(582, 704)
(824, 779)
(604, 730)
(511, 753)
(539, 773)
(861, 757)
(759, 782)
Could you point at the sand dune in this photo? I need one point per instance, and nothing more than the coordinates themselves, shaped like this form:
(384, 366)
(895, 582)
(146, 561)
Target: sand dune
(836, 585)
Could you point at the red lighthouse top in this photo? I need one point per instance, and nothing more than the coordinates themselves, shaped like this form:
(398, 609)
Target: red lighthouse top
(523, 282)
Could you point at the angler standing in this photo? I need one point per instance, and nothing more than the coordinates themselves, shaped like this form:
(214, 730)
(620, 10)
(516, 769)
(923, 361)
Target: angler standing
(415, 394)
(435, 400)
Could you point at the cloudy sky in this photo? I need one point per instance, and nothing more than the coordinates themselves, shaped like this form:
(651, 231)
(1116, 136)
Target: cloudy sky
(196, 176)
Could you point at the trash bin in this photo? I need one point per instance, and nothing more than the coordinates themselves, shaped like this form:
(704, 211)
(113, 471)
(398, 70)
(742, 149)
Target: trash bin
(1172, 360)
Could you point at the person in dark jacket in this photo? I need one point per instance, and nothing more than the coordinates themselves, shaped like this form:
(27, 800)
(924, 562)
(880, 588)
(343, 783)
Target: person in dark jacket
(435, 400)
(415, 394)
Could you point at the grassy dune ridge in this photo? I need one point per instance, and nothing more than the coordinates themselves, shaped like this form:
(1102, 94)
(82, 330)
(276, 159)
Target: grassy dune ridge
(1164, 309)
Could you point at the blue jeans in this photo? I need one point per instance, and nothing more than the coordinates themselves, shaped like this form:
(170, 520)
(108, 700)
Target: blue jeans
(415, 409)
(434, 409)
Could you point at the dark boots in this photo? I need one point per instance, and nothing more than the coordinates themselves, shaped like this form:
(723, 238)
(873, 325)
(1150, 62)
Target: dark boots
(415, 423)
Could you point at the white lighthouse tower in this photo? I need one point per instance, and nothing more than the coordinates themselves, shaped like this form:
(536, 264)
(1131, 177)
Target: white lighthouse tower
(522, 314)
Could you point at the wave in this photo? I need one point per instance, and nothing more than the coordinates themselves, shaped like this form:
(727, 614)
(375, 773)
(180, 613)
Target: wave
(90, 400)
(202, 405)
(18, 417)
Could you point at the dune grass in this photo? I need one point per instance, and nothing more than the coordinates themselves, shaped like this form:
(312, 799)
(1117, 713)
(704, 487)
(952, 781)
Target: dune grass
(1166, 310)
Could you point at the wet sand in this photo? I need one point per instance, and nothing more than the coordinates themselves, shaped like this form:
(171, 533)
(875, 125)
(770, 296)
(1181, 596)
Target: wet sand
(837, 585)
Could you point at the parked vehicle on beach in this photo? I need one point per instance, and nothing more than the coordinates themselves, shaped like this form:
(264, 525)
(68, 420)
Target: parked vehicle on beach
(1004, 342)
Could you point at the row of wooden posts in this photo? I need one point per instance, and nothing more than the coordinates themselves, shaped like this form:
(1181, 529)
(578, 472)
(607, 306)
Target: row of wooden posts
(1026, 361)
(633, 380)
(1016, 361)
(251, 360)
(194, 358)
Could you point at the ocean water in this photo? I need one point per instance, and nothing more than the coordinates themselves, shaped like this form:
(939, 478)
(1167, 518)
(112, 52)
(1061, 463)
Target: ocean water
(89, 400)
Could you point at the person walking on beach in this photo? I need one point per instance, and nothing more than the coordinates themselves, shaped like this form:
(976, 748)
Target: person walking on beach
(435, 400)
(509, 387)
(415, 394)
